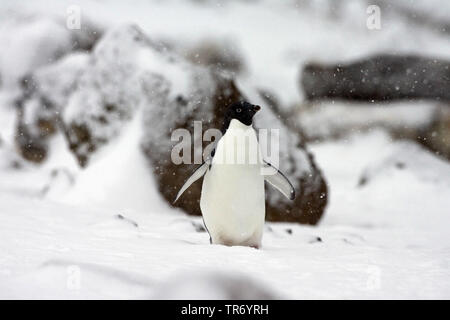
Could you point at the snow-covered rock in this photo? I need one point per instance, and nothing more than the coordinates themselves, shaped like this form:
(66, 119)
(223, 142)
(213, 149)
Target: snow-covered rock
(128, 74)
(30, 41)
(385, 183)
(109, 92)
(411, 158)
(299, 165)
(425, 122)
(327, 120)
(45, 94)
(34, 46)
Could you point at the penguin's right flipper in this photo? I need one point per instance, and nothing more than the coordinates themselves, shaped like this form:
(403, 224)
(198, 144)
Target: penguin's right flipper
(198, 173)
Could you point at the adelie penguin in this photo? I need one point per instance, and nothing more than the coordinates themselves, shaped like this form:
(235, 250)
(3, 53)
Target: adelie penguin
(233, 195)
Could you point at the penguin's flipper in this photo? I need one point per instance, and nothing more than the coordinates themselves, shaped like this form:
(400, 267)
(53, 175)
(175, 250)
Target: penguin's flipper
(277, 179)
(198, 173)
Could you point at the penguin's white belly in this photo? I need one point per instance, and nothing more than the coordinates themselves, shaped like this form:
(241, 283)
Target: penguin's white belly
(232, 199)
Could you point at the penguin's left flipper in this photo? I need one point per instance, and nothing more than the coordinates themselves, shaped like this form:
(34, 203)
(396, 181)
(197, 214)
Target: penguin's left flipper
(277, 179)
(198, 173)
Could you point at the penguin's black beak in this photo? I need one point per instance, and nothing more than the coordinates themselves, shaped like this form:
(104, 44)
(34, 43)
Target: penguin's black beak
(256, 108)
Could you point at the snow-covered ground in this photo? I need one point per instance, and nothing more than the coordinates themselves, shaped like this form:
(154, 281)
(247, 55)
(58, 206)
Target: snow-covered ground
(385, 239)
(105, 232)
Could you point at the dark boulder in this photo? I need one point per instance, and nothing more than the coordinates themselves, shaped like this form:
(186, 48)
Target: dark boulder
(223, 55)
(379, 78)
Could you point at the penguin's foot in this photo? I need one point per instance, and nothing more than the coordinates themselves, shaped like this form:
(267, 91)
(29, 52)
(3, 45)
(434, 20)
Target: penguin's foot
(254, 246)
(230, 243)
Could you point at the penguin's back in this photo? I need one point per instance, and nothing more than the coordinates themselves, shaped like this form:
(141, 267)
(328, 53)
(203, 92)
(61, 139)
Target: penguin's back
(232, 199)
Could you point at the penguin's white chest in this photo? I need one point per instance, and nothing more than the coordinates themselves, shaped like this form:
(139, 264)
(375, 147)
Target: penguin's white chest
(232, 199)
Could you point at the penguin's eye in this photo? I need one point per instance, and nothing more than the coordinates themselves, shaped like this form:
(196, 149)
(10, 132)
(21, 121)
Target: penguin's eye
(238, 110)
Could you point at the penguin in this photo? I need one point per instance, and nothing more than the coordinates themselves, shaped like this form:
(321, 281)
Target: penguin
(232, 199)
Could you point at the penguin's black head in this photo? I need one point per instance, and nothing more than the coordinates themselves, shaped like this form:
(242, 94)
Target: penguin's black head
(242, 111)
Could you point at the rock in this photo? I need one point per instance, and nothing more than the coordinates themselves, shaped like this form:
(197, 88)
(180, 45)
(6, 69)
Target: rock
(223, 55)
(206, 99)
(31, 147)
(127, 76)
(379, 78)
(44, 96)
(86, 37)
(437, 136)
(108, 94)
(298, 164)
(46, 75)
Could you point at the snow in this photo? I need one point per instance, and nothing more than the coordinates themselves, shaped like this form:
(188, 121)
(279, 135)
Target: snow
(126, 180)
(386, 239)
(71, 233)
(333, 119)
(44, 39)
(275, 37)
